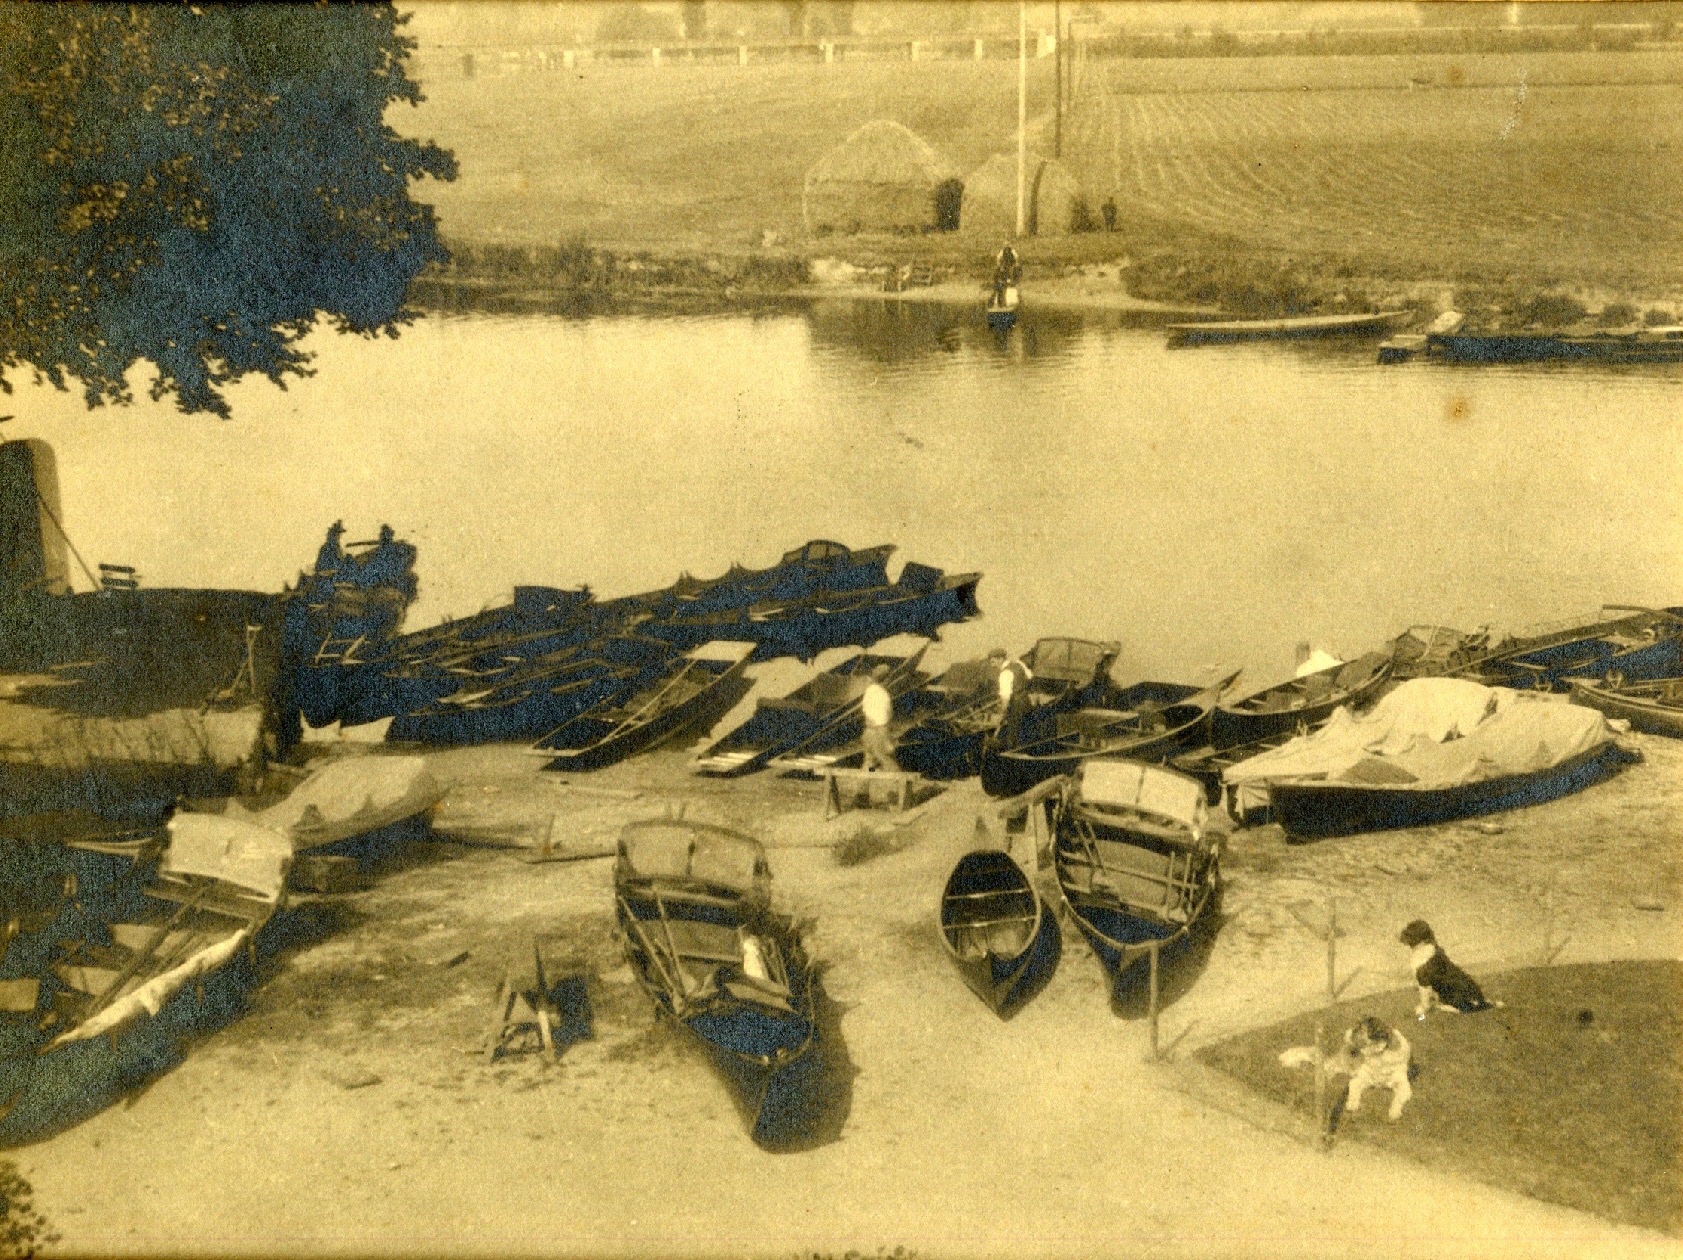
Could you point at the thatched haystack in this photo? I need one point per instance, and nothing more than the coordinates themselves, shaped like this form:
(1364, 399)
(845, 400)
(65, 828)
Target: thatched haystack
(1052, 199)
(882, 178)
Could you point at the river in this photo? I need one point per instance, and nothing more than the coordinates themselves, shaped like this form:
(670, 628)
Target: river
(1203, 506)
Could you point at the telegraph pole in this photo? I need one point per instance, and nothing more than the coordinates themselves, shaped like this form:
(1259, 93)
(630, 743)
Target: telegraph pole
(1022, 108)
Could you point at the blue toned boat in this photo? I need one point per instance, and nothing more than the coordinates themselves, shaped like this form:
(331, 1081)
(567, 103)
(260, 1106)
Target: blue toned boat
(997, 930)
(1637, 644)
(691, 691)
(820, 715)
(1135, 862)
(694, 903)
(960, 711)
(1148, 721)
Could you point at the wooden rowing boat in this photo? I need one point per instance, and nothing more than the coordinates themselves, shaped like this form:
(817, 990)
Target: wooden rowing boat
(962, 710)
(694, 903)
(1213, 332)
(1654, 706)
(694, 689)
(1148, 721)
(820, 715)
(998, 931)
(1135, 861)
(167, 958)
(1300, 703)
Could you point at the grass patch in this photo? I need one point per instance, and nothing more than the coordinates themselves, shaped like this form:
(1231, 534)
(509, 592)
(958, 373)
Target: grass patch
(864, 843)
(1538, 1097)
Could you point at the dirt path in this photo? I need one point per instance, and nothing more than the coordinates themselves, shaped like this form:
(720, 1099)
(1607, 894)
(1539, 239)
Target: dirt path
(1050, 1135)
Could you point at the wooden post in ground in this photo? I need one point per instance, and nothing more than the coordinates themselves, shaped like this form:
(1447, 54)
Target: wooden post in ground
(1332, 951)
(1321, 1113)
(1152, 1008)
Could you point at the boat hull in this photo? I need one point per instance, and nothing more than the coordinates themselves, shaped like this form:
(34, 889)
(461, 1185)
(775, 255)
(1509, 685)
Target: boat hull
(1648, 714)
(1313, 811)
(982, 886)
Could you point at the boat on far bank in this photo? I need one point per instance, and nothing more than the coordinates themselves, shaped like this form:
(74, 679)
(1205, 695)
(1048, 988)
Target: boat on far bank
(1216, 332)
(1453, 344)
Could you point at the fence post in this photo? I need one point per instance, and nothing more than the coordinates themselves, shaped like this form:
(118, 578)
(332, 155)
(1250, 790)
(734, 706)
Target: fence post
(742, 54)
(979, 50)
(1152, 1010)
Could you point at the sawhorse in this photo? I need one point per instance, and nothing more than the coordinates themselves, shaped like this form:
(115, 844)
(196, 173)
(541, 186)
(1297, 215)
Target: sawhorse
(844, 787)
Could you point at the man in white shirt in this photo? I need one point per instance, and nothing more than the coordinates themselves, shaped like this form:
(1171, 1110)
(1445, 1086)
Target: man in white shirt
(878, 708)
(1013, 700)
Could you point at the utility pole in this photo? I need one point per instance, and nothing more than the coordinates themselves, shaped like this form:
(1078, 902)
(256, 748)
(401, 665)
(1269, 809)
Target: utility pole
(1058, 53)
(1022, 109)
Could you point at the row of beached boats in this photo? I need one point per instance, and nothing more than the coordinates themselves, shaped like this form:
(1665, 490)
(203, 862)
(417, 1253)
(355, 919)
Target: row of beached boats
(535, 668)
(952, 725)
(1137, 871)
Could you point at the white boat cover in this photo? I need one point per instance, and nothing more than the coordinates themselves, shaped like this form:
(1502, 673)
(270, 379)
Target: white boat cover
(348, 797)
(241, 854)
(1433, 733)
(1149, 789)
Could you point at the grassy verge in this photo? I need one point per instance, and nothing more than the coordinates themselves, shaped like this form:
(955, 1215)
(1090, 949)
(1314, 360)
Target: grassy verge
(1569, 1094)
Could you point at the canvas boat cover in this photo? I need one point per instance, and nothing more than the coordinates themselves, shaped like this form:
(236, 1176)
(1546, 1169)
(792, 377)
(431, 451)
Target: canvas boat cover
(1433, 733)
(346, 798)
(1146, 788)
(683, 851)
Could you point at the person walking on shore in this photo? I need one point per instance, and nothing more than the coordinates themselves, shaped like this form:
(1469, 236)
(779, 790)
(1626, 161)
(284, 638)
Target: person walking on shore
(878, 707)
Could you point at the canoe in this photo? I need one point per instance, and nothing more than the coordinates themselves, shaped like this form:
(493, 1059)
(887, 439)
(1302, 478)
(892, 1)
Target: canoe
(998, 931)
(962, 710)
(1216, 331)
(819, 715)
(1135, 862)
(1432, 750)
(694, 689)
(1646, 345)
(1655, 706)
(693, 901)
(1299, 703)
(1146, 722)
(165, 956)
(1638, 644)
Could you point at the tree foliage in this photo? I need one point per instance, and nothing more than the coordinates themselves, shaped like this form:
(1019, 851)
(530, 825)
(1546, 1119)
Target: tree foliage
(197, 186)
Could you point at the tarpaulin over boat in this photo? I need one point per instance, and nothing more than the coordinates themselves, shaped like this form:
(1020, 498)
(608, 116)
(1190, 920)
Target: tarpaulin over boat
(1433, 733)
(349, 797)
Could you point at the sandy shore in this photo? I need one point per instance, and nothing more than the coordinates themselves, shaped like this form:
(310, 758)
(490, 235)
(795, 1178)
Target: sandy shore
(349, 1113)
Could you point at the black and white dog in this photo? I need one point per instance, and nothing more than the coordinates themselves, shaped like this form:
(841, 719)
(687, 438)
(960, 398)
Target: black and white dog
(1442, 984)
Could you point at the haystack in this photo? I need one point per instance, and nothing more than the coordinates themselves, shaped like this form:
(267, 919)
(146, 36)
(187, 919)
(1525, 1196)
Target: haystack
(882, 178)
(1052, 201)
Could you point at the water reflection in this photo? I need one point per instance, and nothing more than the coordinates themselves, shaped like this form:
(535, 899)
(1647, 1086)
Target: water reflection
(1209, 506)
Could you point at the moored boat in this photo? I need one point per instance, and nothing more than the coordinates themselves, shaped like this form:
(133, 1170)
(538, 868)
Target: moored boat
(1213, 332)
(91, 1004)
(1654, 706)
(1637, 345)
(963, 709)
(694, 689)
(1637, 643)
(703, 940)
(1135, 861)
(998, 930)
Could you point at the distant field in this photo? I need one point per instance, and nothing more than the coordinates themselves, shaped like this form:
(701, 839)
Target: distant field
(1576, 183)
(1543, 179)
(691, 155)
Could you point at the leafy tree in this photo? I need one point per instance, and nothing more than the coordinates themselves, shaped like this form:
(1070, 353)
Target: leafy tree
(197, 186)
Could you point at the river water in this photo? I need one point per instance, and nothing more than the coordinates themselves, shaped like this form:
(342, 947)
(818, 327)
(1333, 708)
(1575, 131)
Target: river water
(1203, 506)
